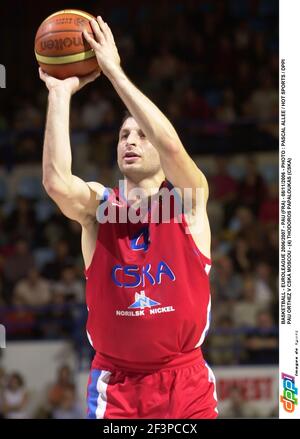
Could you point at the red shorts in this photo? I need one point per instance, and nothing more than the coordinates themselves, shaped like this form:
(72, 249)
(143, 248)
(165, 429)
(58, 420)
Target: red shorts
(183, 389)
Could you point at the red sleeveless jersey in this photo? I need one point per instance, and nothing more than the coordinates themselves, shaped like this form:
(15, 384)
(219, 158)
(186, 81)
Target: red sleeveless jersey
(147, 291)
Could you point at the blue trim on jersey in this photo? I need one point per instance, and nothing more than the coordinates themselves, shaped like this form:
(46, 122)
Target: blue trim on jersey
(178, 200)
(209, 322)
(114, 273)
(106, 194)
(146, 273)
(163, 268)
(132, 271)
(169, 185)
(142, 245)
(93, 394)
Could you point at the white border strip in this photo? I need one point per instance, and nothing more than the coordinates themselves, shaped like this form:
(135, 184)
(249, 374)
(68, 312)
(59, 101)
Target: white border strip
(289, 283)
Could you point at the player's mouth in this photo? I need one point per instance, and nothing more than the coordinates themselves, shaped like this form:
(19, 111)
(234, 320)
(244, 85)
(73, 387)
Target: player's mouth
(131, 157)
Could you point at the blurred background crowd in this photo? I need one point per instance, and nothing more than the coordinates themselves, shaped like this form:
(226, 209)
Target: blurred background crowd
(212, 67)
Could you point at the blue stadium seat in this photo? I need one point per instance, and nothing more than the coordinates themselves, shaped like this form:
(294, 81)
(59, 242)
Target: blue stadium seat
(30, 187)
(44, 209)
(236, 171)
(42, 256)
(269, 172)
(213, 98)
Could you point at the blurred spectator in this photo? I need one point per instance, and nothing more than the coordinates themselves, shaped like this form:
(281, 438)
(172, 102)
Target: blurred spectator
(27, 116)
(76, 124)
(69, 286)
(227, 284)
(263, 104)
(259, 47)
(126, 46)
(196, 50)
(252, 190)
(224, 58)
(17, 264)
(64, 380)
(28, 149)
(243, 83)
(94, 110)
(54, 228)
(262, 341)
(271, 247)
(56, 319)
(226, 110)
(245, 310)
(269, 209)
(223, 187)
(22, 220)
(73, 237)
(242, 36)
(223, 342)
(68, 406)
(53, 270)
(265, 285)
(245, 226)
(195, 106)
(33, 290)
(236, 406)
(15, 398)
(215, 213)
(59, 396)
(174, 111)
(241, 256)
(164, 65)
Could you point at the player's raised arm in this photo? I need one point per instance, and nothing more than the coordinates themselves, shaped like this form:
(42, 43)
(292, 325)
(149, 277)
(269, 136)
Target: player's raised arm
(76, 198)
(177, 165)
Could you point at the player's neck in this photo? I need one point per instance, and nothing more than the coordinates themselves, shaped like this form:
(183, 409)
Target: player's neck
(148, 186)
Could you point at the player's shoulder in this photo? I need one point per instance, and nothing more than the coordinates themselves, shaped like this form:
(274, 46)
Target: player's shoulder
(96, 187)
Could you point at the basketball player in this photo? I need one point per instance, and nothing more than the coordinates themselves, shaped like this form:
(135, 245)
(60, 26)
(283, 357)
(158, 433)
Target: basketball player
(147, 285)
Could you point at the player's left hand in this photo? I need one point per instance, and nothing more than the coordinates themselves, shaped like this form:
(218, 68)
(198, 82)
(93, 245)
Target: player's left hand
(104, 46)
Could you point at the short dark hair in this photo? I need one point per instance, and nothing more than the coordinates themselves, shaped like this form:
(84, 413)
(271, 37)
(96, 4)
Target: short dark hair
(126, 116)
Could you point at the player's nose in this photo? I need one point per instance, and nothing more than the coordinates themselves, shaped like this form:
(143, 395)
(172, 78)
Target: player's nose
(132, 139)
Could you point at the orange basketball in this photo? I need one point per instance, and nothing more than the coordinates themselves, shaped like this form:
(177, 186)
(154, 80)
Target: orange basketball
(60, 47)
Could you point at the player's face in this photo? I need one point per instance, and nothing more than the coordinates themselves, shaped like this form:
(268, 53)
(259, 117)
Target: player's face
(137, 157)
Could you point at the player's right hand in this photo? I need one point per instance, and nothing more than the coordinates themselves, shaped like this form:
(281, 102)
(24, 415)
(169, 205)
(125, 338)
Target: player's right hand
(70, 85)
